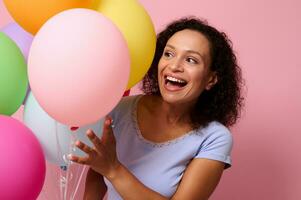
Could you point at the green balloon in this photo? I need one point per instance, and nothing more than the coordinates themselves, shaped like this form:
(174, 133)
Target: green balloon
(13, 76)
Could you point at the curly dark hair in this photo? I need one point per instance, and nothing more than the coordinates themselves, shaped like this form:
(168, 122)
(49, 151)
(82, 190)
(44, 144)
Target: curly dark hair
(223, 102)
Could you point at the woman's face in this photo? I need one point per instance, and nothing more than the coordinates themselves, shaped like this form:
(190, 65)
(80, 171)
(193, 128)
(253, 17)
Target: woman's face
(183, 69)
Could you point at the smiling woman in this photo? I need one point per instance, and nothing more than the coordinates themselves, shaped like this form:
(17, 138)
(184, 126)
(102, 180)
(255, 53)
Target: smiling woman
(209, 50)
(183, 70)
(172, 142)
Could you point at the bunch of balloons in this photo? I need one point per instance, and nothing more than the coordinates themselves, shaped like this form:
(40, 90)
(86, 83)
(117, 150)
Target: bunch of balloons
(78, 58)
(85, 54)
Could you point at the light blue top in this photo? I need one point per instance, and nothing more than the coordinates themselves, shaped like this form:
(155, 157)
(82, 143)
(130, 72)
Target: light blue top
(160, 166)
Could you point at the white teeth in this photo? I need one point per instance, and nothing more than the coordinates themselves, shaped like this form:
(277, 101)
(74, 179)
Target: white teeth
(170, 78)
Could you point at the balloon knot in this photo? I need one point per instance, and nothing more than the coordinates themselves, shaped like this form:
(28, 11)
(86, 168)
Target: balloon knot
(126, 93)
(74, 128)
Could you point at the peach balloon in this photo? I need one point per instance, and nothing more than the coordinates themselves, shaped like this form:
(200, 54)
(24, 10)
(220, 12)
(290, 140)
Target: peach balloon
(32, 14)
(78, 66)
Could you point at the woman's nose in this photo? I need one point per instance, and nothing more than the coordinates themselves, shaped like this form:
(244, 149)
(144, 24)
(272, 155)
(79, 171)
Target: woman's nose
(176, 65)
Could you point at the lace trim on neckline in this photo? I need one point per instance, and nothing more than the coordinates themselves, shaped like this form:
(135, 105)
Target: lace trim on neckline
(151, 143)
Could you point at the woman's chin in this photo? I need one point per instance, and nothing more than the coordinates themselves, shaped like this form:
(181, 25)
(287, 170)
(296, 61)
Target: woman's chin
(173, 99)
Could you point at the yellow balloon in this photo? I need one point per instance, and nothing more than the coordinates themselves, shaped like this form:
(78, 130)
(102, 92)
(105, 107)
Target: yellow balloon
(138, 30)
(32, 14)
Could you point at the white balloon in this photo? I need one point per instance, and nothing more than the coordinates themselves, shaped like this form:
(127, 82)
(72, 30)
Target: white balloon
(56, 138)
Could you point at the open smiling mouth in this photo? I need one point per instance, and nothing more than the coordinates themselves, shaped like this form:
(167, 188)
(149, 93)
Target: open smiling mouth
(173, 84)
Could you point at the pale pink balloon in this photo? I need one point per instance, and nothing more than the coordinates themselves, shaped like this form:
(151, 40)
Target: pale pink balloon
(78, 66)
(22, 168)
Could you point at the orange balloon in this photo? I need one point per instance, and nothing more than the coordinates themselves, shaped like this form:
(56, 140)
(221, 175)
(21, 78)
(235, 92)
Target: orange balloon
(32, 14)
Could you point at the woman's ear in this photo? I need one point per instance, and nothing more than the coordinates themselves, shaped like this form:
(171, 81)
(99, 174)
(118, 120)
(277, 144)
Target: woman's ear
(211, 81)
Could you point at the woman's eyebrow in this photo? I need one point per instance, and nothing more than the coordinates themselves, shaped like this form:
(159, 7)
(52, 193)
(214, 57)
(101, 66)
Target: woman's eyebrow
(170, 46)
(195, 52)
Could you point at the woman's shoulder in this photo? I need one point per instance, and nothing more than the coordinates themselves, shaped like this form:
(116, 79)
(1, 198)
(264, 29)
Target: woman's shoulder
(216, 126)
(129, 100)
(215, 131)
(125, 105)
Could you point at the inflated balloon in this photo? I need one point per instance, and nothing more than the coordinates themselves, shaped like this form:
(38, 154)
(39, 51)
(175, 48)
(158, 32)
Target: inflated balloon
(22, 38)
(13, 76)
(78, 66)
(137, 27)
(54, 137)
(22, 168)
(32, 14)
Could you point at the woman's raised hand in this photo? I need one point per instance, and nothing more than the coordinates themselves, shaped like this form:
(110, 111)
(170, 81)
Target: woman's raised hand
(102, 158)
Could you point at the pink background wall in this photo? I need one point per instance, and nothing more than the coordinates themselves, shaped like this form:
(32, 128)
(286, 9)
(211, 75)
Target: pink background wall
(266, 158)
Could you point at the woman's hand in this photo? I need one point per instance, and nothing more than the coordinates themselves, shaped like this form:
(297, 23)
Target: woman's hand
(102, 158)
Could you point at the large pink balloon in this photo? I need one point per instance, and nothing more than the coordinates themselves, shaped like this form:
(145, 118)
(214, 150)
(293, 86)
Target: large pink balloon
(78, 66)
(22, 168)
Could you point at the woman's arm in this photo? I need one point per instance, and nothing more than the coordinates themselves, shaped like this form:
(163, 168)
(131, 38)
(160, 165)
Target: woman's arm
(200, 179)
(95, 187)
(130, 188)
(198, 182)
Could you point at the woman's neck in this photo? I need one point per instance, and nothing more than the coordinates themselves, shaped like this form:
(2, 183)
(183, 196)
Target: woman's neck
(172, 114)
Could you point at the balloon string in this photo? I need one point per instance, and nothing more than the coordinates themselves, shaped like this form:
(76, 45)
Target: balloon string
(76, 168)
(67, 182)
(53, 176)
(69, 163)
(59, 155)
(79, 180)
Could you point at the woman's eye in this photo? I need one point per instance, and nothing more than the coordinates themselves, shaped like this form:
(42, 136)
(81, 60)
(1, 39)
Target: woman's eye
(167, 54)
(192, 60)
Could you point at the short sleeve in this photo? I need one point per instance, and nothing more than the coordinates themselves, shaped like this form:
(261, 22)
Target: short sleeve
(217, 145)
(122, 114)
(123, 108)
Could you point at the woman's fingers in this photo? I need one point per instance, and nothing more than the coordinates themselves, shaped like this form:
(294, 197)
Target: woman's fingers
(94, 139)
(80, 160)
(108, 135)
(85, 148)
